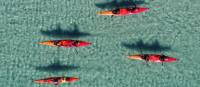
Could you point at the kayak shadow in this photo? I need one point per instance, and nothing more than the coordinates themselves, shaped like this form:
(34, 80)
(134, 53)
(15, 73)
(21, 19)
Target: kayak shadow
(59, 32)
(118, 4)
(56, 67)
(141, 46)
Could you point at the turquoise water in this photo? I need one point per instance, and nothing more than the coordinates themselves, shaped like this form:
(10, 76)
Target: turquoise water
(173, 23)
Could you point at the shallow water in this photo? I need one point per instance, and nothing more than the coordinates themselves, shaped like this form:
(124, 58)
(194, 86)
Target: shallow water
(173, 23)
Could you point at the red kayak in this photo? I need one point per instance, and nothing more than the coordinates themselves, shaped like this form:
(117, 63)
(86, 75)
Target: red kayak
(123, 11)
(65, 43)
(56, 80)
(153, 58)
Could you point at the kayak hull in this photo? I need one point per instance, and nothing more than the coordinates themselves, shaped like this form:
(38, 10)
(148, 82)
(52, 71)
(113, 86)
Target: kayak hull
(60, 80)
(153, 58)
(123, 12)
(65, 43)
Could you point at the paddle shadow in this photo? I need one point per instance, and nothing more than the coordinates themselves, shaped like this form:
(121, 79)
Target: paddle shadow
(56, 67)
(119, 4)
(59, 32)
(141, 46)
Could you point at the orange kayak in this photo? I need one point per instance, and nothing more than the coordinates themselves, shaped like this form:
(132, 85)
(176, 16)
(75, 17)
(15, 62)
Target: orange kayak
(153, 58)
(65, 43)
(56, 80)
(123, 11)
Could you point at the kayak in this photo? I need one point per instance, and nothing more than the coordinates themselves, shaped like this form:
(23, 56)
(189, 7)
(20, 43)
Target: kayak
(123, 11)
(153, 58)
(65, 43)
(56, 80)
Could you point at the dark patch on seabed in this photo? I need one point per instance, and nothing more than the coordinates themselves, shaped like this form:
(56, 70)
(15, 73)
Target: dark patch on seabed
(56, 67)
(141, 46)
(119, 4)
(59, 32)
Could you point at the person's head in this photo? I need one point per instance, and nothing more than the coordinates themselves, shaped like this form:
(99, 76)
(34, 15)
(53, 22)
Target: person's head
(162, 57)
(56, 42)
(55, 80)
(116, 11)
